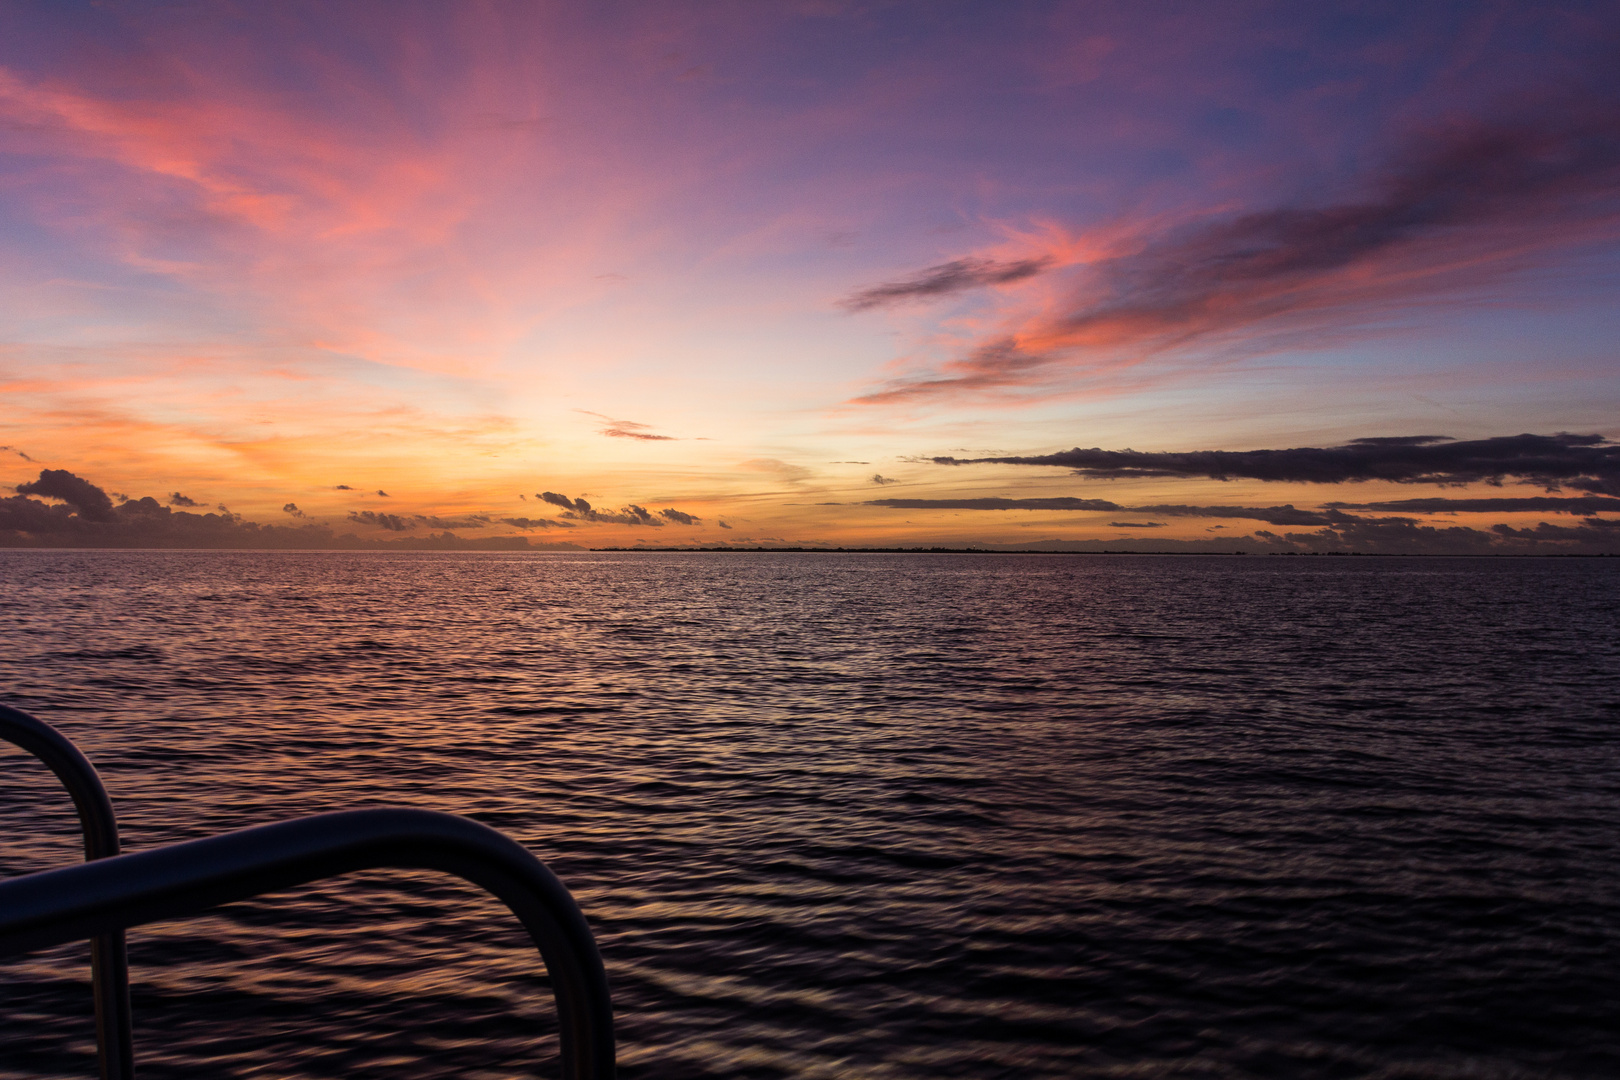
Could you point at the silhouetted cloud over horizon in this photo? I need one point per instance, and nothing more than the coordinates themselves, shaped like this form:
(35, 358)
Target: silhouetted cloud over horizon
(580, 510)
(1407, 536)
(1583, 462)
(1336, 530)
(564, 501)
(90, 501)
(85, 517)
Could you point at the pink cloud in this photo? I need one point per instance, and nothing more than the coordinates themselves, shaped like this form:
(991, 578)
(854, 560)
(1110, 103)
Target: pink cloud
(1463, 207)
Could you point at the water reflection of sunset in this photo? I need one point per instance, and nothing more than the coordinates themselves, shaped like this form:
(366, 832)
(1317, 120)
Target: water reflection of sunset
(850, 815)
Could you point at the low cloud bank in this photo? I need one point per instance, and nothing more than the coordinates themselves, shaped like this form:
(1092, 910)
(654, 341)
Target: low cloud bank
(83, 516)
(536, 523)
(1338, 531)
(1537, 504)
(1408, 536)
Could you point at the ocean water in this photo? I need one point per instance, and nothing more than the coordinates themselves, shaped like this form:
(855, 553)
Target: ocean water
(873, 816)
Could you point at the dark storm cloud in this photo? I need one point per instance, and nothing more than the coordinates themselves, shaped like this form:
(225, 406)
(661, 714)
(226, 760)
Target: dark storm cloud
(342, 487)
(880, 480)
(18, 452)
(384, 494)
(722, 524)
(1583, 462)
(1538, 504)
(177, 499)
(381, 521)
(951, 277)
(679, 517)
(1139, 524)
(292, 508)
(90, 501)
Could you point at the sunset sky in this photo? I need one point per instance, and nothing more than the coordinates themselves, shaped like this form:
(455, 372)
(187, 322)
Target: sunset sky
(819, 272)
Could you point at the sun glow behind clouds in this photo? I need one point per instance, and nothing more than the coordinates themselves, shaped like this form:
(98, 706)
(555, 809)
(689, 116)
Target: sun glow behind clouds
(468, 254)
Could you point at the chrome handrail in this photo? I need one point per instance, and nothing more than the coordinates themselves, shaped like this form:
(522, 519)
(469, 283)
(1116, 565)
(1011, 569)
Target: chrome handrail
(55, 906)
(109, 960)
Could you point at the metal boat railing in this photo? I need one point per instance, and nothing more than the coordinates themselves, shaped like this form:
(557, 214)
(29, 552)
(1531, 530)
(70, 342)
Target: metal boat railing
(109, 961)
(108, 895)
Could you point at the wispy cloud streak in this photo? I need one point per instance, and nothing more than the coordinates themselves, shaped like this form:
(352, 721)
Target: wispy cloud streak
(952, 277)
(626, 429)
(1274, 515)
(1535, 504)
(1583, 462)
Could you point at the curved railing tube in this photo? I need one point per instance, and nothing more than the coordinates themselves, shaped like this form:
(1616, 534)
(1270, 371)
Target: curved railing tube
(109, 961)
(48, 908)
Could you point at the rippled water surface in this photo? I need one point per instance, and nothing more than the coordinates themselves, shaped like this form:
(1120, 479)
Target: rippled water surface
(854, 816)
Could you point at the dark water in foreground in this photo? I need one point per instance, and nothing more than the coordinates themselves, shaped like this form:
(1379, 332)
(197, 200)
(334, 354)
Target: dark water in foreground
(855, 816)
